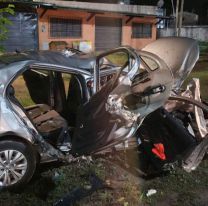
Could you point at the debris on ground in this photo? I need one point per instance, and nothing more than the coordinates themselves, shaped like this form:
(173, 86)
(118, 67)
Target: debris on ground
(151, 192)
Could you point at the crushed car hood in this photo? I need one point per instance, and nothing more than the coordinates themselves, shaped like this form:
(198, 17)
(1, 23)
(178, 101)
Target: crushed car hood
(179, 53)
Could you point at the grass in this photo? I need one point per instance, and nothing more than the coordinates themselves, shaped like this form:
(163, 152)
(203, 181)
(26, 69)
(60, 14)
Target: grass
(23, 95)
(176, 189)
(118, 58)
(21, 92)
(51, 185)
(203, 77)
(180, 188)
(203, 46)
(201, 71)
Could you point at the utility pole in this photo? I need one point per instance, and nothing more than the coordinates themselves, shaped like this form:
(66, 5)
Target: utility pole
(173, 7)
(176, 18)
(180, 18)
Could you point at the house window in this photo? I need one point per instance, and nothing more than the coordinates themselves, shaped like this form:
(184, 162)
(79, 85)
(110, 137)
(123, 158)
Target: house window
(140, 30)
(60, 27)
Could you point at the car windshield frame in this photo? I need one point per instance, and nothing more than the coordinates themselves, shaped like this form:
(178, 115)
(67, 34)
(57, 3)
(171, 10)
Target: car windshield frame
(146, 64)
(129, 51)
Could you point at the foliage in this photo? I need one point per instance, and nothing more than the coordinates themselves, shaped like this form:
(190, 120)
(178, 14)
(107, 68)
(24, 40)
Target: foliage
(203, 47)
(4, 22)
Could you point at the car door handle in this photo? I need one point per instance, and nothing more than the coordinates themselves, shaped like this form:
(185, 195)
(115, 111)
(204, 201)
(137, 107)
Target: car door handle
(154, 90)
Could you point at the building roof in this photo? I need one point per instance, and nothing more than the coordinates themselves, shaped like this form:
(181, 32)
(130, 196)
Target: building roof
(129, 10)
(134, 10)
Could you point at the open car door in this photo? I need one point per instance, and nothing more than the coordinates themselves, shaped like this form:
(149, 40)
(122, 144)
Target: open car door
(139, 86)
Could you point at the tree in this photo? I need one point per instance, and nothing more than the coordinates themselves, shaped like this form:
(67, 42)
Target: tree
(4, 22)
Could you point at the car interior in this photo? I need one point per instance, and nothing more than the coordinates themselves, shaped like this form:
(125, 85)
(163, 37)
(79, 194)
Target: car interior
(50, 99)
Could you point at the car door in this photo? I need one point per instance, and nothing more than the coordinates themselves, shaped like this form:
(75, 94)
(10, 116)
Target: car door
(112, 115)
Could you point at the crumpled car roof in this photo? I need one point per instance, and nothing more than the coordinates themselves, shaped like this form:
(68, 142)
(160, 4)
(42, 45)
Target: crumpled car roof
(86, 62)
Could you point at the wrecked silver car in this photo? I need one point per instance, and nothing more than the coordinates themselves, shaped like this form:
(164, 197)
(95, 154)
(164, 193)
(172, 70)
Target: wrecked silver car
(57, 107)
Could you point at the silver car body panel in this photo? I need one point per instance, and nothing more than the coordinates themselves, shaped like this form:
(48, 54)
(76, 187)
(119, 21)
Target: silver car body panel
(11, 116)
(13, 120)
(129, 98)
(191, 93)
(179, 53)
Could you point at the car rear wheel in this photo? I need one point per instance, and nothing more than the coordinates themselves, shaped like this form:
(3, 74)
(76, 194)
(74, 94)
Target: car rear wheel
(17, 164)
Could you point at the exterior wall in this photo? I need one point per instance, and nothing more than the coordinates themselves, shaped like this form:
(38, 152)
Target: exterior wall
(196, 32)
(137, 43)
(88, 28)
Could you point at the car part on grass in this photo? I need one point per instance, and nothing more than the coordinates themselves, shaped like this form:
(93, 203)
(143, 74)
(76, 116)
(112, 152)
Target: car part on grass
(190, 101)
(194, 157)
(79, 193)
(151, 192)
(162, 128)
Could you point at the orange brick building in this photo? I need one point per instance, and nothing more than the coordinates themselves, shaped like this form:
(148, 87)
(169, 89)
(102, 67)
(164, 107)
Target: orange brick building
(103, 25)
(99, 26)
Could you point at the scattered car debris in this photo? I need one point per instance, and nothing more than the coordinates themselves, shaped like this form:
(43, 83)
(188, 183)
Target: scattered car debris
(79, 193)
(151, 192)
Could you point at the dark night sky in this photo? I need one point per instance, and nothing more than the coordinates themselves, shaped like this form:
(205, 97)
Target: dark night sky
(189, 5)
(199, 7)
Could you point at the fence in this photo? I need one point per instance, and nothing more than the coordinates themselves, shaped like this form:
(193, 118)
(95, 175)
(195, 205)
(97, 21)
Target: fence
(196, 32)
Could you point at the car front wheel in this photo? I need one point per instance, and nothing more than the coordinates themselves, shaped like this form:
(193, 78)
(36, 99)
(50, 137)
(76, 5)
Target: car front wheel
(17, 164)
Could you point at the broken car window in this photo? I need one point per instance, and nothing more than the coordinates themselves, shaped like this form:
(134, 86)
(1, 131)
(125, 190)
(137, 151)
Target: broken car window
(111, 64)
(152, 65)
(21, 92)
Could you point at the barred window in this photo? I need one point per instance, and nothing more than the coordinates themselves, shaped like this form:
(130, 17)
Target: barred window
(140, 30)
(60, 27)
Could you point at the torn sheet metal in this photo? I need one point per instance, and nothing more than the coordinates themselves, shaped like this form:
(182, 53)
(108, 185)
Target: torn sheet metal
(189, 101)
(195, 155)
(115, 106)
(179, 53)
(199, 115)
(80, 192)
(120, 107)
(192, 95)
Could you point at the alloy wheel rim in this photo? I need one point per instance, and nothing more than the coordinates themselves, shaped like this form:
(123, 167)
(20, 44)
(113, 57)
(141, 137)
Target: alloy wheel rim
(13, 165)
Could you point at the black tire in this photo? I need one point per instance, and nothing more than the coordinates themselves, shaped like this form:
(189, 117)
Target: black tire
(28, 156)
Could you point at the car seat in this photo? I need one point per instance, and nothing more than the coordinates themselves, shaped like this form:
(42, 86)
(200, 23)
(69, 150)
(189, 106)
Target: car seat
(49, 123)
